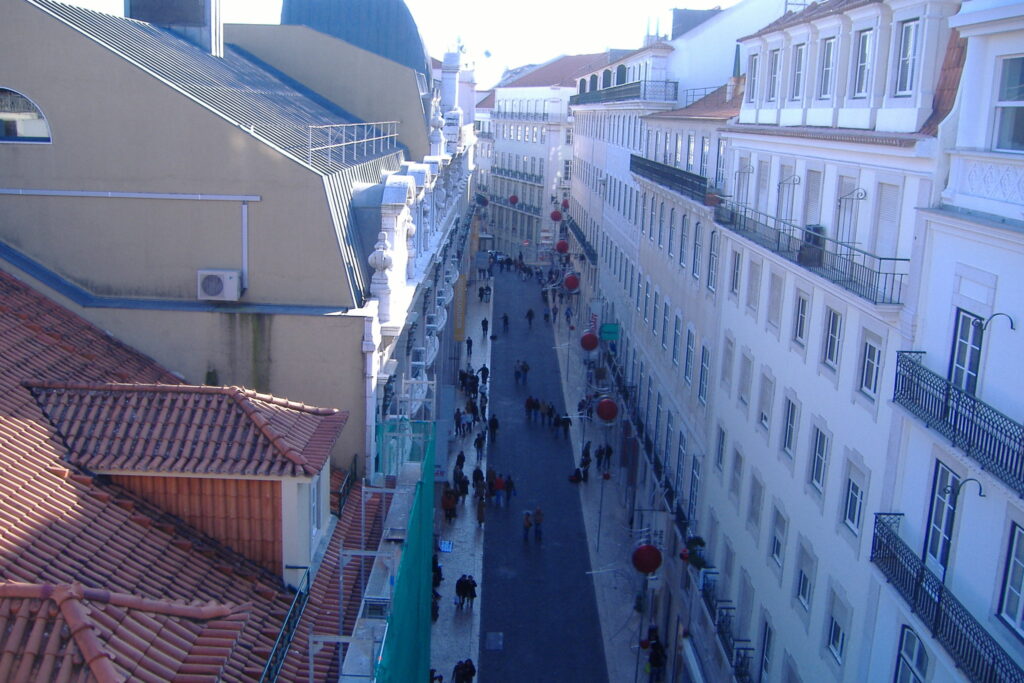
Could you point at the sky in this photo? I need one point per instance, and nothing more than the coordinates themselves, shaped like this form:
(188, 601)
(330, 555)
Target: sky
(497, 34)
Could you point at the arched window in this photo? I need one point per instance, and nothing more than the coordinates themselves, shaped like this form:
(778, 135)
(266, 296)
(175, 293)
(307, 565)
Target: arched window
(20, 119)
(912, 664)
(593, 83)
(606, 78)
(620, 74)
(583, 85)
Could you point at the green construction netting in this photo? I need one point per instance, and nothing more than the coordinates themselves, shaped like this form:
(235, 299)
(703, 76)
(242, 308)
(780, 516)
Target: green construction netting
(405, 655)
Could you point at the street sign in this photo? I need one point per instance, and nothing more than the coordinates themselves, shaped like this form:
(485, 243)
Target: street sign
(609, 332)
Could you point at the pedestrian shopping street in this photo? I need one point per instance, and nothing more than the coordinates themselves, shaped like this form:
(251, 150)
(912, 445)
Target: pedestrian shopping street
(560, 607)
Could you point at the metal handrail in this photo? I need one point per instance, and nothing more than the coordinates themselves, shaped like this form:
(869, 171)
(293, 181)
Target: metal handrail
(878, 279)
(676, 179)
(986, 435)
(974, 650)
(519, 115)
(284, 638)
(657, 91)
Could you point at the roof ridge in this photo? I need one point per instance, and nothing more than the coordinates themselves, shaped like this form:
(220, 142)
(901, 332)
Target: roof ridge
(241, 397)
(60, 592)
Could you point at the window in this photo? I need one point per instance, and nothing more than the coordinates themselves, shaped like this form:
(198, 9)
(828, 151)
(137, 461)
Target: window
(965, 358)
(705, 153)
(654, 314)
(766, 651)
(1011, 606)
(906, 64)
(1010, 106)
(796, 85)
(683, 237)
(676, 333)
(913, 660)
(803, 588)
(862, 68)
(568, 136)
(819, 459)
(566, 170)
(800, 318)
(746, 369)
(20, 119)
(764, 403)
(753, 285)
(836, 638)
(854, 503)
(833, 337)
(941, 518)
(756, 503)
(690, 148)
(664, 325)
(870, 362)
(647, 301)
(713, 260)
(688, 365)
(671, 230)
(650, 225)
(752, 78)
(734, 278)
(777, 546)
(789, 426)
(826, 75)
(661, 224)
(314, 507)
(698, 231)
(720, 450)
(720, 163)
(774, 61)
(691, 504)
(774, 300)
(736, 478)
(728, 349)
(705, 370)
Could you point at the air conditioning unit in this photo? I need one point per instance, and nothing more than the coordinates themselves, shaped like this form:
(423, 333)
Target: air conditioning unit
(218, 284)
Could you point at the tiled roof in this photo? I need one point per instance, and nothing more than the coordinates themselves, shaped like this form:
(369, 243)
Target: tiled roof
(487, 102)
(60, 527)
(105, 636)
(559, 71)
(232, 86)
(949, 83)
(815, 10)
(712, 106)
(157, 428)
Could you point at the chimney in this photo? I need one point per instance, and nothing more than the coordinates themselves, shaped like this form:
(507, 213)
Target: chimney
(197, 21)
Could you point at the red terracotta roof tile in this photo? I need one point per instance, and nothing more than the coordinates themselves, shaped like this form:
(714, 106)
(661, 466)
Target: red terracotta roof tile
(949, 83)
(815, 10)
(57, 530)
(159, 428)
(558, 71)
(713, 106)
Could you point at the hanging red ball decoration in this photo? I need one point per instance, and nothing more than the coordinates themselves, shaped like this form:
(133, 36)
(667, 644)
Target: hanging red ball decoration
(513, 200)
(565, 203)
(607, 409)
(606, 475)
(644, 644)
(572, 282)
(647, 559)
(684, 554)
(589, 341)
(562, 247)
(556, 215)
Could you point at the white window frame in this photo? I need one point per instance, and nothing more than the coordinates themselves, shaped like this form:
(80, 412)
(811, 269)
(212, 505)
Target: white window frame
(790, 424)
(801, 314)
(676, 339)
(826, 72)
(804, 588)
(777, 543)
(796, 89)
(691, 346)
(853, 505)
(774, 62)
(712, 260)
(870, 367)
(836, 638)
(906, 57)
(698, 247)
(1008, 111)
(705, 371)
(1011, 602)
(819, 458)
(752, 78)
(833, 343)
(912, 662)
(862, 67)
(737, 273)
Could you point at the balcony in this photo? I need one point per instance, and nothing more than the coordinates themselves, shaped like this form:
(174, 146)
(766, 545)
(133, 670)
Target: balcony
(651, 91)
(588, 248)
(675, 179)
(511, 174)
(519, 115)
(973, 649)
(878, 279)
(988, 437)
(720, 611)
(520, 206)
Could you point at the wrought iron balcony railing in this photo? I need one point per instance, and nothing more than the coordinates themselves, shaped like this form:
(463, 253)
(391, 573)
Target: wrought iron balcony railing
(656, 91)
(588, 248)
(676, 179)
(511, 174)
(520, 206)
(878, 279)
(284, 638)
(519, 115)
(987, 436)
(974, 650)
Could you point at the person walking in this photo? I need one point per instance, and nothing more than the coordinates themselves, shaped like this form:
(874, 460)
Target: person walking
(484, 325)
(510, 489)
(469, 347)
(504, 323)
(471, 585)
(499, 490)
(480, 511)
(484, 373)
(527, 523)
(492, 427)
(529, 318)
(524, 368)
(538, 521)
(478, 444)
(468, 671)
